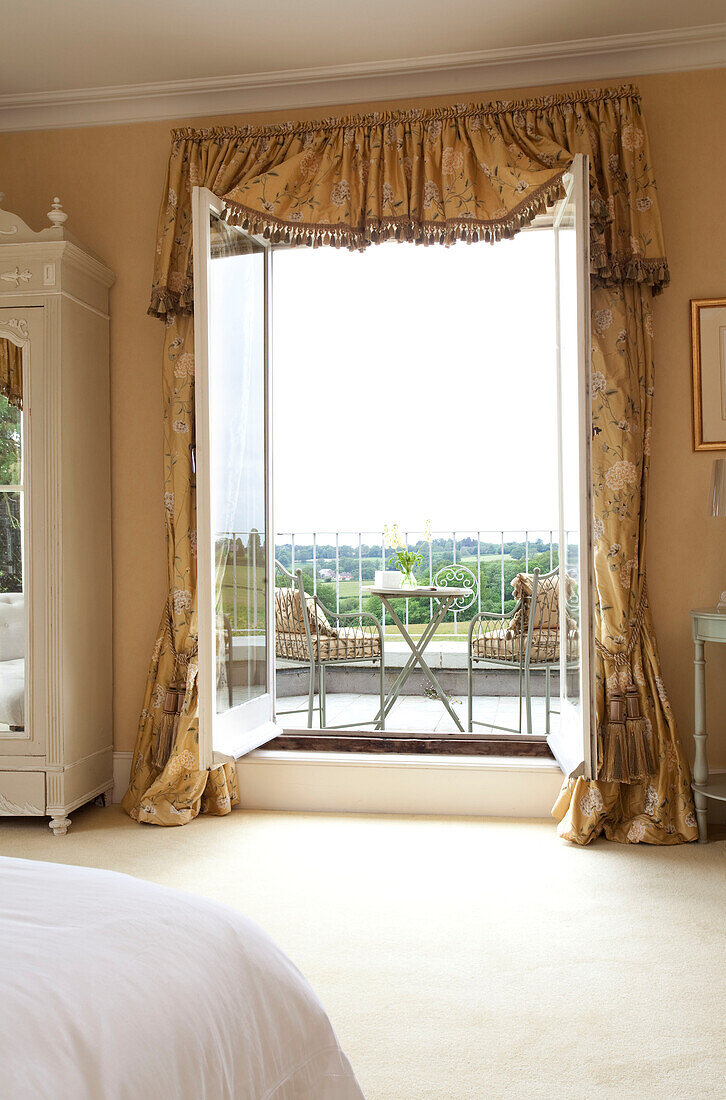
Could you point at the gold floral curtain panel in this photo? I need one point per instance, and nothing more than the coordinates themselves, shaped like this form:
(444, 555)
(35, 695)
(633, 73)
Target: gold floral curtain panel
(167, 785)
(644, 792)
(472, 173)
(11, 372)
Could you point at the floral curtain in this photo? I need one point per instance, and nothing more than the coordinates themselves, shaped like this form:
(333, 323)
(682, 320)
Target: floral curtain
(167, 786)
(473, 173)
(11, 372)
(653, 803)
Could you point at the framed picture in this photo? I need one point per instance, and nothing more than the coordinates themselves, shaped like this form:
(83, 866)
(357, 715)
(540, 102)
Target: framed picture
(708, 365)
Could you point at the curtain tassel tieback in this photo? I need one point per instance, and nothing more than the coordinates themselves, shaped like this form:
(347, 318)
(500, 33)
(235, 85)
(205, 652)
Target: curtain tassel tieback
(627, 748)
(614, 748)
(175, 696)
(641, 758)
(627, 743)
(173, 704)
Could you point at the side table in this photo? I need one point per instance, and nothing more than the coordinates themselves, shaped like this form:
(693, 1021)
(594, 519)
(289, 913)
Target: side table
(709, 625)
(445, 597)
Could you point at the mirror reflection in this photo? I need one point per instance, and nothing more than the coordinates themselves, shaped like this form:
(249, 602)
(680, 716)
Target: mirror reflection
(12, 601)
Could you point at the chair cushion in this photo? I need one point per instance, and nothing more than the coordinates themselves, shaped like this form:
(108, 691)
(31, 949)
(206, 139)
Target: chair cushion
(547, 604)
(504, 645)
(12, 626)
(291, 645)
(497, 645)
(345, 644)
(547, 609)
(289, 615)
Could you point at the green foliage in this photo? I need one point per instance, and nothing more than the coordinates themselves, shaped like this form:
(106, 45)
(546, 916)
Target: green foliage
(10, 421)
(11, 548)
(494, 567)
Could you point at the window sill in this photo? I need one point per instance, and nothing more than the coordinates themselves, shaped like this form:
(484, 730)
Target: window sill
(353, 744)
(403, 760)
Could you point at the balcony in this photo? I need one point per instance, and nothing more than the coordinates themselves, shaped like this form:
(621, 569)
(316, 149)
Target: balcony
(337, 568)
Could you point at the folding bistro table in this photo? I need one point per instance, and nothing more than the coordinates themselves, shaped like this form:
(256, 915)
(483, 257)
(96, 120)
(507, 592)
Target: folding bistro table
(444, 597)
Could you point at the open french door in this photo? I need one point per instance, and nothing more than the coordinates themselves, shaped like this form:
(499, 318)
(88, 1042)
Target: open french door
(235, 575)
(574, 741)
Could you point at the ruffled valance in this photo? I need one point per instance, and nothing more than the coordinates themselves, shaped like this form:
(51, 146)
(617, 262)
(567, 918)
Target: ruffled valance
(11, 372)
(468, 172)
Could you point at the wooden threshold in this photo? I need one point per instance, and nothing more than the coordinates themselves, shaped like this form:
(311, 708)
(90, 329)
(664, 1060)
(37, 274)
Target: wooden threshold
(452, 745)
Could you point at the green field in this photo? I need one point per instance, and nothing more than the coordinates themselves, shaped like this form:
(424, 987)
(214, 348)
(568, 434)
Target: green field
(446, 630)
(349, 588)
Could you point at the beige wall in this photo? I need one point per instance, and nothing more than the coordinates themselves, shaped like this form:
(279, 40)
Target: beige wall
(110, 180)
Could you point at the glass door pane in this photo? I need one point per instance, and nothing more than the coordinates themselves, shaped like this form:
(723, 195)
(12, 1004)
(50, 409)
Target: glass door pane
(233, 498)
(13, 619)
(573, 742)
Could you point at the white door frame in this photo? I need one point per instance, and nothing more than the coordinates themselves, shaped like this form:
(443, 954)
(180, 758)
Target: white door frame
(264, 728)
(574, 743)
(247, 726)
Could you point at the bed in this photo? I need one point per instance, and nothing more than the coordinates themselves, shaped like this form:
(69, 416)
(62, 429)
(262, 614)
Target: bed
(113, 988)
(12, 659)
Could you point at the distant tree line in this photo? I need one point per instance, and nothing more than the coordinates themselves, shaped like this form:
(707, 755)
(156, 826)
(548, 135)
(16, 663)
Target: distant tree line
(418, 610)
(441, 549)
(11, 544)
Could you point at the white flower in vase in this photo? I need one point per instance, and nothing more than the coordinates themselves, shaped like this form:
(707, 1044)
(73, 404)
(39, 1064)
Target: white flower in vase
(404, 559)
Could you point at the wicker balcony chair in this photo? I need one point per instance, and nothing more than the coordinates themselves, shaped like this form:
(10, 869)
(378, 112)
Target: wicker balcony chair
(304, 634)
(523, 639)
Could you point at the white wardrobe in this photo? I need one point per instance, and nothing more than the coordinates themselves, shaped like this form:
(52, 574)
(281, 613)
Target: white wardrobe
(56, 742)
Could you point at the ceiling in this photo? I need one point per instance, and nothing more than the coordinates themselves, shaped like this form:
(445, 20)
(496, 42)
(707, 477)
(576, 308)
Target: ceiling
(49, 46)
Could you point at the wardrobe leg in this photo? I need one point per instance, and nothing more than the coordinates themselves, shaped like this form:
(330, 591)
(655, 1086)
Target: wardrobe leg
(59, 825)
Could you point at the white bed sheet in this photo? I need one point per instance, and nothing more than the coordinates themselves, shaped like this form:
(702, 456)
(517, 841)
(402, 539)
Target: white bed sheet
(12, 692)
(116, 989)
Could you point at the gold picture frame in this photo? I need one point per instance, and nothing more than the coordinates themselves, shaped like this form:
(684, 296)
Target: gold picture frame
(708, 373)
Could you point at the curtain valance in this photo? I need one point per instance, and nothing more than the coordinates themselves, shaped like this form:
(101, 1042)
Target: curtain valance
(11, 372)
(467, 172)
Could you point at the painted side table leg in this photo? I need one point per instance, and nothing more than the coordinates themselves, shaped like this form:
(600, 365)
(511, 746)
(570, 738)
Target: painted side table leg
(700, 766)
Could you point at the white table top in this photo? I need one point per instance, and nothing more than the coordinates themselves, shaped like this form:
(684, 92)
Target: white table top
(435, 591)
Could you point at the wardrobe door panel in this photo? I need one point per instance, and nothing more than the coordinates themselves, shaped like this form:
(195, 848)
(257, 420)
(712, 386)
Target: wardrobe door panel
(22, 643)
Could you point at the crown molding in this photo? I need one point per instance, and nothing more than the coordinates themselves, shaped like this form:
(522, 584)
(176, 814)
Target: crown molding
(484, 71)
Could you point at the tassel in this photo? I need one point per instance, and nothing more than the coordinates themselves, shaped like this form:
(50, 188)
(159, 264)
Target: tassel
(615, 752)
(641, 760)
(173, 704)
(627, 748)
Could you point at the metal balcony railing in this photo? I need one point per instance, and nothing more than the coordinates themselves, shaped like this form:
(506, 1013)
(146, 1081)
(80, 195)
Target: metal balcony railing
(485, 553)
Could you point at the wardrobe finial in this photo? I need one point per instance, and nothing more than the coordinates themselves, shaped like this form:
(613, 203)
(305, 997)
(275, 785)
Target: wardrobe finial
(57, 215)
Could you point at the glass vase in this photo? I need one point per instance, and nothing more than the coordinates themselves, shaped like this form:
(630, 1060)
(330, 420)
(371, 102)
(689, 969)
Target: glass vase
(409, 580)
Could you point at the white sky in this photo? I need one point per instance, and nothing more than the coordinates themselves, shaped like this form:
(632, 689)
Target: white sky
(415, 383)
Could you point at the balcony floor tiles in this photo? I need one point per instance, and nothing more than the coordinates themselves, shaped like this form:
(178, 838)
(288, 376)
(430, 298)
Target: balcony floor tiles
(412, 713)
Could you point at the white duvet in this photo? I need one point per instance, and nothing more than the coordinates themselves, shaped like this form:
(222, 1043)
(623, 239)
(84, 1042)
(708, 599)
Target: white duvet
(115, 989)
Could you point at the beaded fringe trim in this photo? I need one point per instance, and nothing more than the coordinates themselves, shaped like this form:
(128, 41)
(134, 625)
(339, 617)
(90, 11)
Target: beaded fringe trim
(377, 230)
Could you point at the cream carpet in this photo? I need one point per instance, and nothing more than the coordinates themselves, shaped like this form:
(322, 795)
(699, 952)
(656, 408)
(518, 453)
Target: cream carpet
(459, 958)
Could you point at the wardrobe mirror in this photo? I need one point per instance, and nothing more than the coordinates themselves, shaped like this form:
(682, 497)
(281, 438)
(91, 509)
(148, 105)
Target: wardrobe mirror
(12, 538)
